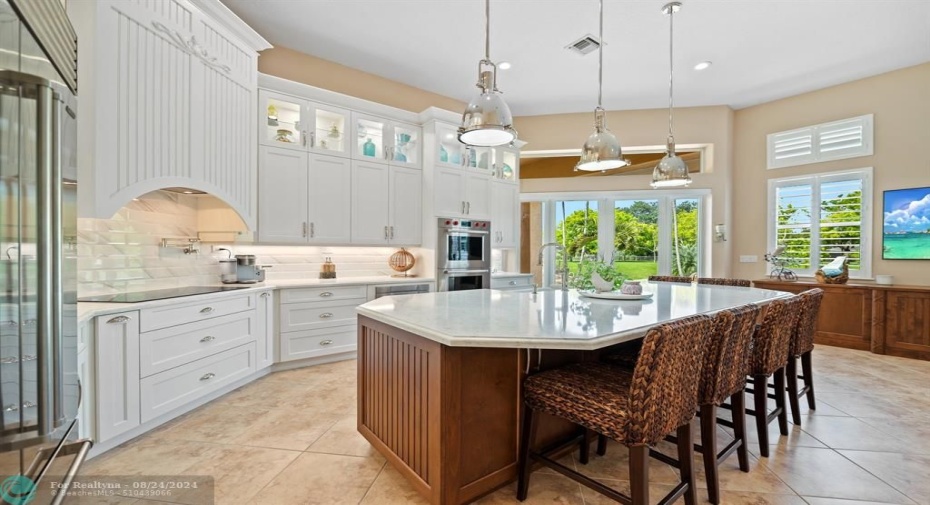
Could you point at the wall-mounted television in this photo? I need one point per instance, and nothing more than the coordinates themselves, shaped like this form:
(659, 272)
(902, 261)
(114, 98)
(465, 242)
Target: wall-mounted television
(906, 224)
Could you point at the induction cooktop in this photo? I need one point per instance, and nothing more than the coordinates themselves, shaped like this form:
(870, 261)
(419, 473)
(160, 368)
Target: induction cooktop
(159, 294)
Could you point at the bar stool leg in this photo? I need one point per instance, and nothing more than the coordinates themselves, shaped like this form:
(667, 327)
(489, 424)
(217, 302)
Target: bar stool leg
(709, 451)
(791, 370)
(760, 397)
(686, 464)
(738, 403)
(530, 423)
(585, 449)
(780, 401)
(639, 474)
(601, 445)
(808, 371)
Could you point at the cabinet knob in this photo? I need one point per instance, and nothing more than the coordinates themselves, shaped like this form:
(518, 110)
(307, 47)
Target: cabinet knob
(207, 376)
(326, 315)
(326, 294)
(326, 342)
(119, 320)
(208, 338)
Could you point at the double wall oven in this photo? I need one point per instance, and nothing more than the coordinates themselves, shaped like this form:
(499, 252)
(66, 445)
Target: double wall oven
(464, 254)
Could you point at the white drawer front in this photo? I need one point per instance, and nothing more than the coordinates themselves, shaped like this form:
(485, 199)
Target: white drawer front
(310, 315)
(312, 343)
(323, 294)
(170, 347)
(511, 282)
(194, 310)
(161, 393)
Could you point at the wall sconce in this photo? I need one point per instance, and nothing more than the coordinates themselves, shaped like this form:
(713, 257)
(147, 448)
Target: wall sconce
(720, 233)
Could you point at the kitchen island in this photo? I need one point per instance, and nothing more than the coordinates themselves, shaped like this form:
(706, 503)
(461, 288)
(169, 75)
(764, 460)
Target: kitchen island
(440, 374)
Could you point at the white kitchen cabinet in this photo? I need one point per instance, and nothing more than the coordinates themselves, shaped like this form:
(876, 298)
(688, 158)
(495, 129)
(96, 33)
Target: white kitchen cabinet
(383, 140)
(294, 123)
(461, 193)
(168, 93)
(386, 204)
(117, 374)
(504, 212)
(318, 322)
(303, 198)
(265, 335)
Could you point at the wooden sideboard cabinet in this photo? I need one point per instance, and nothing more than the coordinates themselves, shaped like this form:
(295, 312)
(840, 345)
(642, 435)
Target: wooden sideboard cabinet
(892, 320)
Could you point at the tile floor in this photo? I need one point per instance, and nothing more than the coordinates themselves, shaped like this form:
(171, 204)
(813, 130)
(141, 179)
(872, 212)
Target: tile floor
(290, 438)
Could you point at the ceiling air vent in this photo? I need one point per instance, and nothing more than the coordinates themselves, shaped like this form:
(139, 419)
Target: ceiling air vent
(584, 45)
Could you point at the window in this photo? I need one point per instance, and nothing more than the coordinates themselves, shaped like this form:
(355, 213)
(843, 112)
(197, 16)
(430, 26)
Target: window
(819, 217)
(847, 138)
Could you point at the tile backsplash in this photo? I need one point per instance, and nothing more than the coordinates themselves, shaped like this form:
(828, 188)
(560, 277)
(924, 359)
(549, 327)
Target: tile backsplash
(125, 253)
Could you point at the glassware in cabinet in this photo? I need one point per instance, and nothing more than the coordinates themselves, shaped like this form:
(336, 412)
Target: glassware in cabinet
(506, 162)
(449, 150)
(281, 119)
(369, 134)
(406, 148)
(329, 130)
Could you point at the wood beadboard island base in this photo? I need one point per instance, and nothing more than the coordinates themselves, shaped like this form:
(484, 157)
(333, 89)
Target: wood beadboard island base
(447, 418)
(893, 320)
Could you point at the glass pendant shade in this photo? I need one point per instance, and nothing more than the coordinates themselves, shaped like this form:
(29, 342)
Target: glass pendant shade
(602, 150)
(487, 120)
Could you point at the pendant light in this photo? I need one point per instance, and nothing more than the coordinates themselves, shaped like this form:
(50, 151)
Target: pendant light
(487, 120)
(602, 149)
(672, 171)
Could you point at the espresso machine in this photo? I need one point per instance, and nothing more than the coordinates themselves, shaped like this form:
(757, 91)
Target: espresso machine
(247, 272)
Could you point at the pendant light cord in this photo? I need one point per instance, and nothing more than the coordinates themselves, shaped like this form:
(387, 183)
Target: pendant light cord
(671, 71)
(600, 57)
(487, 30)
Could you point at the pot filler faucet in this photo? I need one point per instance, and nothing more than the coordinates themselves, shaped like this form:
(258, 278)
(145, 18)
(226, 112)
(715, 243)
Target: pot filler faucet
(564, 271)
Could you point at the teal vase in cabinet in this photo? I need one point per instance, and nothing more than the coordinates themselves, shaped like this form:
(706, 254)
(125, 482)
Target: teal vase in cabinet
(368, 148)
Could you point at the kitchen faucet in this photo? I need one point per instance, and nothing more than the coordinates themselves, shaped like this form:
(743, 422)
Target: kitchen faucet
(564, 261)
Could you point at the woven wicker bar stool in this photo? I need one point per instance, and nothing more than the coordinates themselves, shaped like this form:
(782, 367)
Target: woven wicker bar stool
(802, 343)
(723, 376)
(670, 278)
(770, 346)
(635, 407)
(743, 283)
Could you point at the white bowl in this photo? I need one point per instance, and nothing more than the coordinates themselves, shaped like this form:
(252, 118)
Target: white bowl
(601, 285)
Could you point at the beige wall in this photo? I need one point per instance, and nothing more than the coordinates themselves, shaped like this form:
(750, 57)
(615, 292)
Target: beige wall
(694, 125)
(901, 105)
(300, 67)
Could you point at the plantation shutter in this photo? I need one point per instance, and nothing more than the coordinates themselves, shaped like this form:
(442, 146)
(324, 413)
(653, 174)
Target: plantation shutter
(847, 138)
(794, 215)
(841, 222)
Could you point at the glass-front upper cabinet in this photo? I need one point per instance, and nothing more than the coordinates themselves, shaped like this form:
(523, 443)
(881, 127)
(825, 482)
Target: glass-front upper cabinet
(281, 117)
(450, 152)
(506, 164)
(382, 140)
(298, 124)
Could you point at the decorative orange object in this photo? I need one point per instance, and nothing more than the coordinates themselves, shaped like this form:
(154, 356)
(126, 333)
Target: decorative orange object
(402, 261)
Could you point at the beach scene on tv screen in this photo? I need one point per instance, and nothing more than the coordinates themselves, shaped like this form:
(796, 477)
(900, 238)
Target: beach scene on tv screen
(907, 224)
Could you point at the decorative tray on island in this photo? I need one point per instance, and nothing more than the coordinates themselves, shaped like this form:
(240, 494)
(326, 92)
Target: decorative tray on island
(613, 295)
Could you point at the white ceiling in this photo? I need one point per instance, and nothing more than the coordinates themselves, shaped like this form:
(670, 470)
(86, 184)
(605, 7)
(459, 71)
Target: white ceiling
(762, 49)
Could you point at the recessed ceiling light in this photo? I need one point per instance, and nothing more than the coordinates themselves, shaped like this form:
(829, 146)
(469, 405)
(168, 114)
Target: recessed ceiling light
(504, 65)
(703, 65)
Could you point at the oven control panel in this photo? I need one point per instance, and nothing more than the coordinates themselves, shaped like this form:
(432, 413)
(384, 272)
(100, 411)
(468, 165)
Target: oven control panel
(464, 224)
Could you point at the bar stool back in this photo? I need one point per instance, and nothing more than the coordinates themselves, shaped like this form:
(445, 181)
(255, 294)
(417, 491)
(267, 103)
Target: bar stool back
(743, 283)
(670, 278)
(802, 343)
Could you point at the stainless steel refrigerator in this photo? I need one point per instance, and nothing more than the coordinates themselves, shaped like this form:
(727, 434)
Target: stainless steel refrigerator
(39, 384)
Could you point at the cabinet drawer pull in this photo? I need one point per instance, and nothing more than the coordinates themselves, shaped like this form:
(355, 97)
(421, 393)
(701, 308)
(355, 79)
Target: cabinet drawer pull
(265, 295)
(326, 315)
(513, 283)
(326, 294)
(326, 342)
(206, 310)
(207, 376)
(119, 319)
(208, 338)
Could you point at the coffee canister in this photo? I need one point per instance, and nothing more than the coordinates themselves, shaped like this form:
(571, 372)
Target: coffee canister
(228, 271)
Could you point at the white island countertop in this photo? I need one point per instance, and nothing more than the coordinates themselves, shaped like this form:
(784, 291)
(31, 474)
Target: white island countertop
(552, 319)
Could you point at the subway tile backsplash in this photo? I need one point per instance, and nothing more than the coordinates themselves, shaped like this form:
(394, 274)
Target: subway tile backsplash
(124, 253)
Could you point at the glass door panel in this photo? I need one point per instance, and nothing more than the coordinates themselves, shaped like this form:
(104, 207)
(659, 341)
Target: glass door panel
(370, 138)
(406, 147)
(505, 164)
(450, 151)
(636, 238)
(576, 231)
(282, 120)
(685, 251)
(329, 132)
